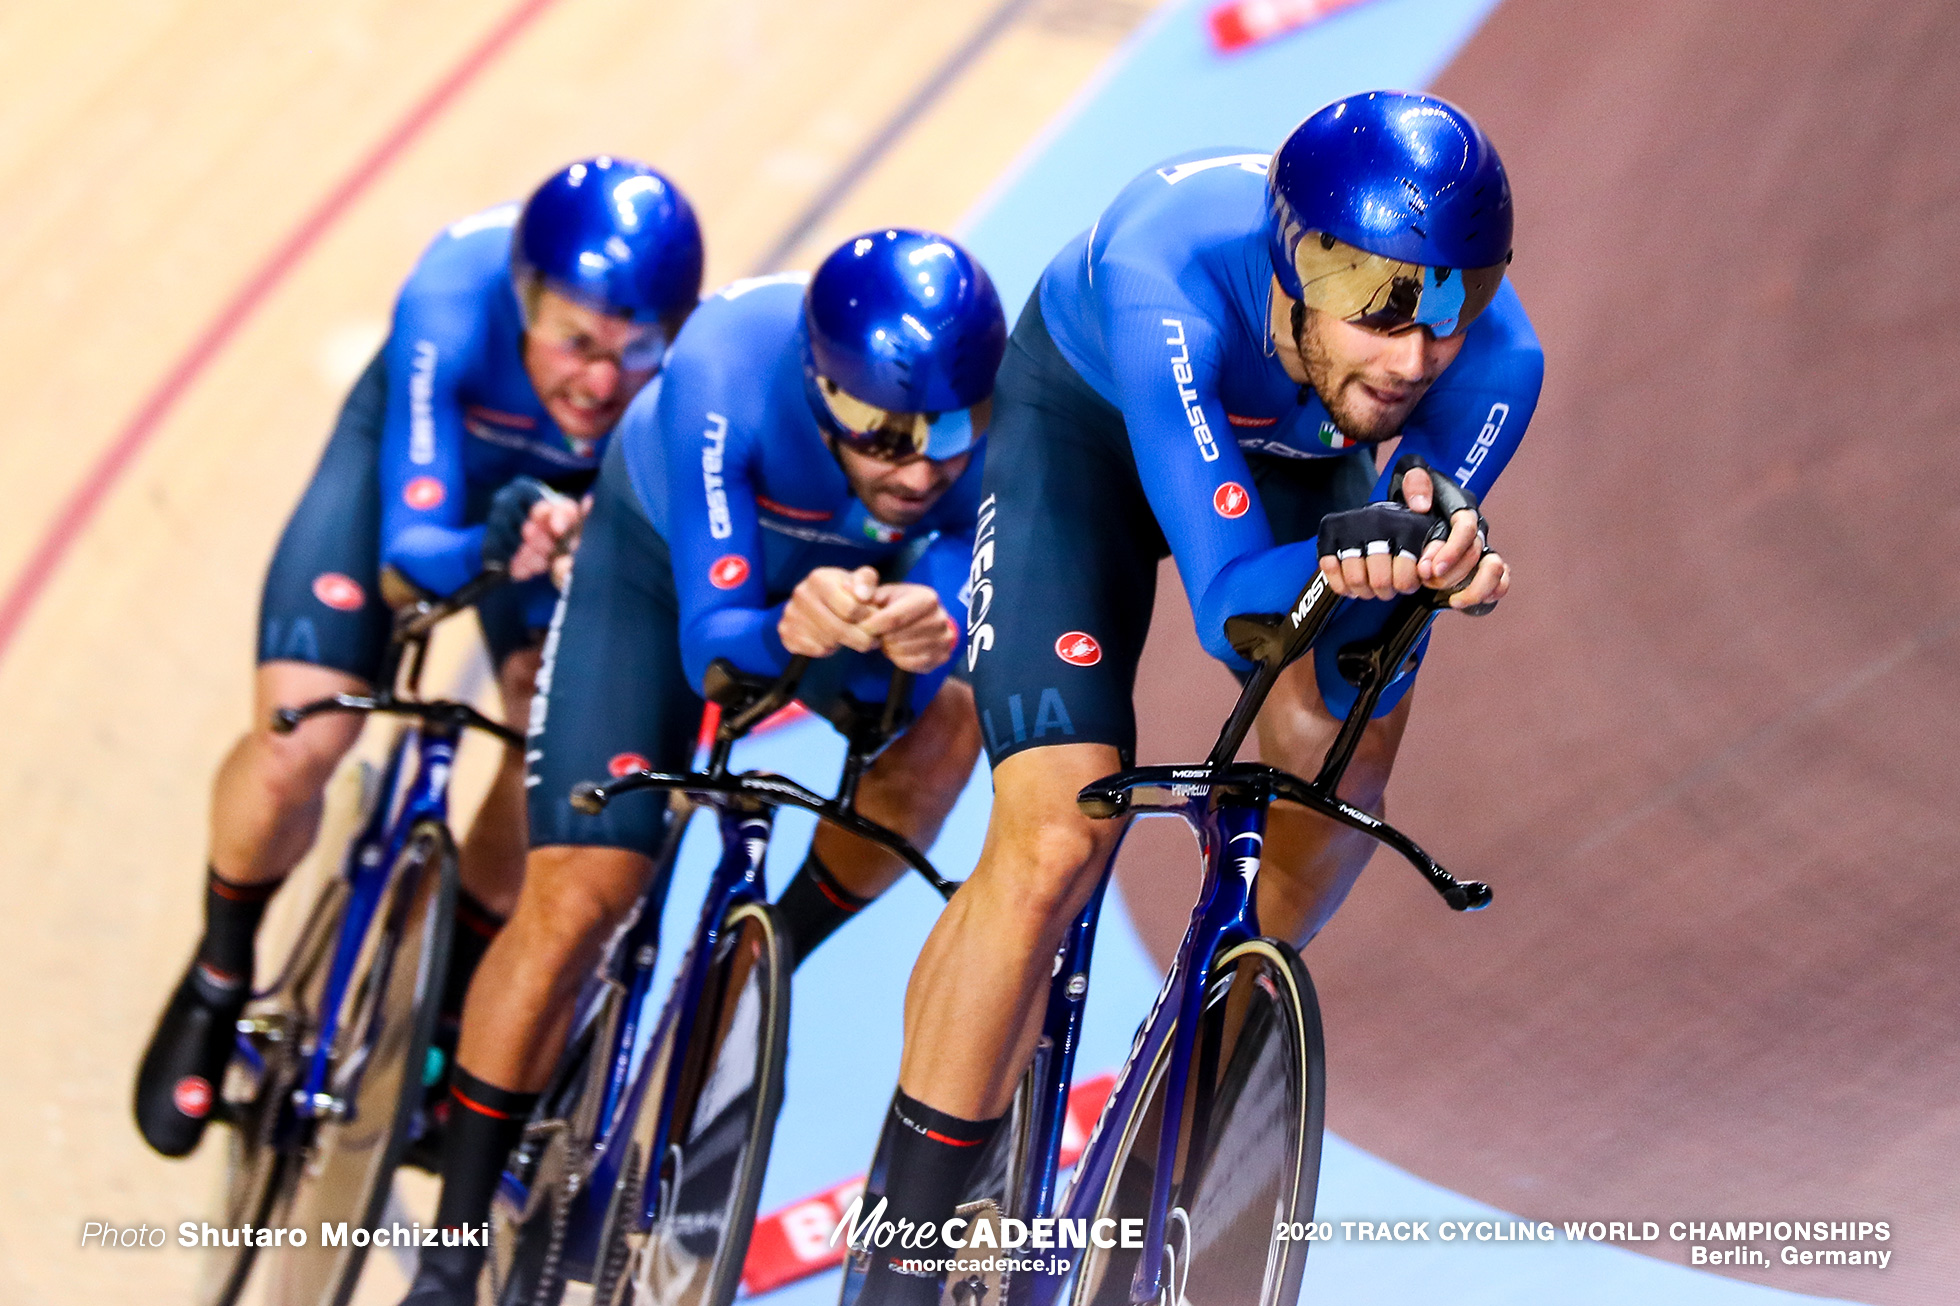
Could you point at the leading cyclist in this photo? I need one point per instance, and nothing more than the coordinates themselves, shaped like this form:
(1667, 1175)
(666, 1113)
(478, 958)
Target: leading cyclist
(802, 439)
(516, 343)
(1207, 372)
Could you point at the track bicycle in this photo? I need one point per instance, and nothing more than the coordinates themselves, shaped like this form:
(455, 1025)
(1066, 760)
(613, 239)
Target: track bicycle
(327, 1086)
(1211, 1138)
(639, 1175)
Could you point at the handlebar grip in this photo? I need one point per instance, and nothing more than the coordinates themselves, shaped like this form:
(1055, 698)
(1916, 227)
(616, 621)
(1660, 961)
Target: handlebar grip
(1101, 807)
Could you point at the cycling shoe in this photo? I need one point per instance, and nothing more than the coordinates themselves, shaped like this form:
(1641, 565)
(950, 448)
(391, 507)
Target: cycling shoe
(183, 1068)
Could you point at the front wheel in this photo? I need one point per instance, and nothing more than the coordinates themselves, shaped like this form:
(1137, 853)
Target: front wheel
(377, 1066)
(1252, 1129)
(257, 1089)
(705, 1185)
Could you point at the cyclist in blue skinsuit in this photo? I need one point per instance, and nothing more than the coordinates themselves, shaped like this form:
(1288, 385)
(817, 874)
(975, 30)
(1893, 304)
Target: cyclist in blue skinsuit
(1206, 373)
(807, 435)
(516, 343)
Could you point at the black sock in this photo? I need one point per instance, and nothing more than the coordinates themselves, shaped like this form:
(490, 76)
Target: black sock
(476, 926)
(232, 913)
(485, 1122)
(812, 907)
(928, 1159)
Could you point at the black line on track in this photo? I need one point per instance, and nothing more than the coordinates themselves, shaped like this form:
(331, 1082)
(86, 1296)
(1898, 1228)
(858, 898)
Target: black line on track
(991, 29)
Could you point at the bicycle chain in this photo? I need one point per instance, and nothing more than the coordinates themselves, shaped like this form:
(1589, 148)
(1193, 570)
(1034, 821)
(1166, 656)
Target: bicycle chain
(617, 1253)
(554, 1247)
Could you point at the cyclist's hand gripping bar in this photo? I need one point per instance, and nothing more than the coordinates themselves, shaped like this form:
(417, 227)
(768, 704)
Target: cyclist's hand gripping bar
(1273, 641)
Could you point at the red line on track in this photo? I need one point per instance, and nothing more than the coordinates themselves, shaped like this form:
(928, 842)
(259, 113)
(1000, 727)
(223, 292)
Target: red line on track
(87, 498)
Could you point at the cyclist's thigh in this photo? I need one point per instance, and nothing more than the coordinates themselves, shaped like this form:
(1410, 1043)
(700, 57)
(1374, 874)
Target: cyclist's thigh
(1296, 494)
(321, 604)
(292, 684)
(612, 696)
(1065, 561)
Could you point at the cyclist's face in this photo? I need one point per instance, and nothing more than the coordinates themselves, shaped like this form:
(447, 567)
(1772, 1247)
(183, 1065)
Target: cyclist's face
(574, 356)
(1370, 380)
(900, 493)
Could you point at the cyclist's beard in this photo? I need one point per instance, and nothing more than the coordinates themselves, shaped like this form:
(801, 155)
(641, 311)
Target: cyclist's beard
(1356, 416)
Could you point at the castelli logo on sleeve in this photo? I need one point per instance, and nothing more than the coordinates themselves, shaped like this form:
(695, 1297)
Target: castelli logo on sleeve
(729, 570)
(423, 493)
(1231, 500)
(1078, 649)
(625, 764)
(341, 593)
(193, 1096)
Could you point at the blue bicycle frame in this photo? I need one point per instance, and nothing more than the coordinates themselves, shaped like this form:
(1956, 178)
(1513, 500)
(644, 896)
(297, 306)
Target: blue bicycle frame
(745, 808)
(369, 860)
(1225, 803)
(737, 879)
(414, 787)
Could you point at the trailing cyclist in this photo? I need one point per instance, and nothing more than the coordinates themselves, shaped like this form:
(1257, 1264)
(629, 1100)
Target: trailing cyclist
(810, 437)
(1206, 373)
(516, 344)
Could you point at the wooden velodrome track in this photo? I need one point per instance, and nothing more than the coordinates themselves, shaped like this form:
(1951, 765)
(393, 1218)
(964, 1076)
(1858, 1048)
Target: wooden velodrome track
(205, 211)
(1705, 755)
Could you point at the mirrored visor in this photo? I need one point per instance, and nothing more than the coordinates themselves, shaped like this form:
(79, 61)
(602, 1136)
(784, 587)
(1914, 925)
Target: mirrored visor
(892, 436)
(1385, 294)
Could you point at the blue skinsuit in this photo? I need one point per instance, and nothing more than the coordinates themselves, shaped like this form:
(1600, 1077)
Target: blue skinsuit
(443, 417)
(718, 496)
(1162, 308)
(461, 409)
(733, 472)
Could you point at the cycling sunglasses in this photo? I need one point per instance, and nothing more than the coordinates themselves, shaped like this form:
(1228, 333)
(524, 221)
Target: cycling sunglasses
(1385, 294)
(894, 437)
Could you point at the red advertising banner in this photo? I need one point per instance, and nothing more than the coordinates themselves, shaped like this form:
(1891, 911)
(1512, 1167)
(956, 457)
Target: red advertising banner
(795, 1242)
(1239, 24)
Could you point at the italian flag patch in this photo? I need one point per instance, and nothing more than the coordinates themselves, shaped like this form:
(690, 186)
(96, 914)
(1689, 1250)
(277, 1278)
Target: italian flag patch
(1332, 438)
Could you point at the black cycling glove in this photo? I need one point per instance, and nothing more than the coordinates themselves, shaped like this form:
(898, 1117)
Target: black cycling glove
(1378, 528)
(510, 508)
(1448, 499)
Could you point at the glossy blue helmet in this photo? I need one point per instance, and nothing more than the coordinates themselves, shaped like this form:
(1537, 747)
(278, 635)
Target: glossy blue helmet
(1390, 208)
(615, 236)
(903, 332)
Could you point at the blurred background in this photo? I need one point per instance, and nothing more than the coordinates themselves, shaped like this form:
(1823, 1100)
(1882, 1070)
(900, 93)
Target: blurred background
(1704, 752)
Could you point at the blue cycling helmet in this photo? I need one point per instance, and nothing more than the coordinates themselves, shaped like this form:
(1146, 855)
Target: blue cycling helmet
(903, 332)
(615, 236)
(1390, 209)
